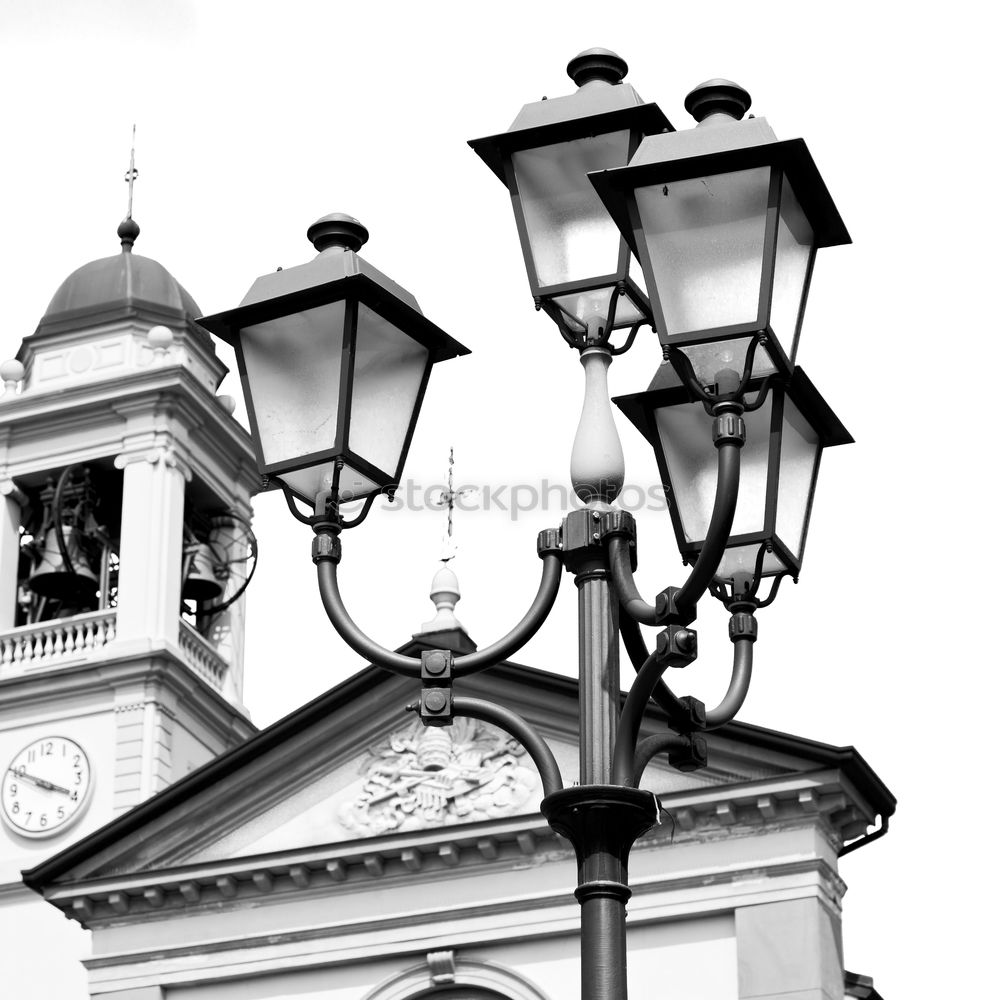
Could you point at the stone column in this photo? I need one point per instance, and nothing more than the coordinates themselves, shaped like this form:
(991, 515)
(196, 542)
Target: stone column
(152, 537)
(10, 523)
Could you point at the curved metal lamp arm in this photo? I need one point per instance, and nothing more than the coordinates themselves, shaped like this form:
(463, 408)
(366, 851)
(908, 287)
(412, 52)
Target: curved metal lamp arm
(649, 677)
(526, 734)
(631, 600)
(329, 589)
(739, 684)
(548, 588)
(729, 438)
(623, 764)
(678, 714)
(326, 555)
(719, 527)
(650, 747)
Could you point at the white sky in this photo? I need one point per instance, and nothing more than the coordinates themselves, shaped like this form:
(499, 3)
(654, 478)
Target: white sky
(255, 119)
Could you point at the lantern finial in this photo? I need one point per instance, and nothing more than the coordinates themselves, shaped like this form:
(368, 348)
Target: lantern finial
(717, 97)
(597, 64)
(337, 230)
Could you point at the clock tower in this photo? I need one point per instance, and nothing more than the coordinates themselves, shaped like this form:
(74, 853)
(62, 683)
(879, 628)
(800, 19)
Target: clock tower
(125, 548)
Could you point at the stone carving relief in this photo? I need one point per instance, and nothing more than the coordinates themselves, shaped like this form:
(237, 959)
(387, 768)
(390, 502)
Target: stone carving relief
(419, 778)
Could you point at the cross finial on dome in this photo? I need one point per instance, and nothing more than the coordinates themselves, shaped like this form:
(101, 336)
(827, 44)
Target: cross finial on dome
(128, 229)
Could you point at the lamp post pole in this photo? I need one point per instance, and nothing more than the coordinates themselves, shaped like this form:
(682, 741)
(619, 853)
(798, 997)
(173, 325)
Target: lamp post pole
(725, 221)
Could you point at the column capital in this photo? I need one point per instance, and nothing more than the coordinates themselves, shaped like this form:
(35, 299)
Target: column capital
(9, 488)
(160, 454)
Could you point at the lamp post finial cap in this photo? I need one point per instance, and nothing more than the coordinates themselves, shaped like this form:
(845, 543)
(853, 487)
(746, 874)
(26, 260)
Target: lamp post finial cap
(717, 97)
(597, 64)
(337, 230)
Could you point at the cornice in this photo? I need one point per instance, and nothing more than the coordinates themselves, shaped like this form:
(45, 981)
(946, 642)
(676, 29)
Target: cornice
(210, 441)
(162, 666)
(124, 393)
(747, 810)
(518, 916)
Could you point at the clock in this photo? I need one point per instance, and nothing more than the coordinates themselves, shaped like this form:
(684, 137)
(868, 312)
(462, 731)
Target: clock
(45, 787)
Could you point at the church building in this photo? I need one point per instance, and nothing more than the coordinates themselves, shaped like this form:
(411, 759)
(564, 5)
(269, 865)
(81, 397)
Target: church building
(345, 852)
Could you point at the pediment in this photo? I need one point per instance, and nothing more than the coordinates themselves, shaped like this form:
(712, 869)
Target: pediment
(353, 768)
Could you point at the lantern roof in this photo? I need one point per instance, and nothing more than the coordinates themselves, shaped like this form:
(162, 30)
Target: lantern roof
(603, 103)
(336, 271)
(721, 147)
(666, 390)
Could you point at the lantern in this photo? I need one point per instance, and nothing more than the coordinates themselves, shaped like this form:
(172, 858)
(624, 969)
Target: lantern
(334, 358)
(725, 221)
(779, 464)
(577, 261)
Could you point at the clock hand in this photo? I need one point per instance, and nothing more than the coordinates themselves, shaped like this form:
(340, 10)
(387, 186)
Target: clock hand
(41, 782)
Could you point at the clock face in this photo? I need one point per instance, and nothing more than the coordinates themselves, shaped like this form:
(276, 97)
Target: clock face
(45, 786)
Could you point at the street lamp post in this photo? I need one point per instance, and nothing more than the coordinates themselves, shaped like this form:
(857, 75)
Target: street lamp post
(725, 221)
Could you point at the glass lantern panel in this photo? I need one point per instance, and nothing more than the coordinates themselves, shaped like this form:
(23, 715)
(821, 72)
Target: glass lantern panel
(709, 359)
(686, 436)
(293, 374)
(311, 481)
(596, 302)
(791, 265)
(799, 454)
(743, 559)
(572, 237)
(388, 369)
(705, 238)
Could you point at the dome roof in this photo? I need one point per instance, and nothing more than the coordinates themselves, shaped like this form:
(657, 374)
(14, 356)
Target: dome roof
(124, 277)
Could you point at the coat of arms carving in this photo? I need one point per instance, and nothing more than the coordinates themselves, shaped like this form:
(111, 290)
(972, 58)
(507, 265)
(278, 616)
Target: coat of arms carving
(424, 777)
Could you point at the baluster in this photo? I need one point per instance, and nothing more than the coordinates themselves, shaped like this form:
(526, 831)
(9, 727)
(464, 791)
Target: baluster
(50, 642)
(60, 639)
(8, 651)
(88, 635)
(79, 632)
(99, 633)
(17, 653)
(111, 623)
(38, 647)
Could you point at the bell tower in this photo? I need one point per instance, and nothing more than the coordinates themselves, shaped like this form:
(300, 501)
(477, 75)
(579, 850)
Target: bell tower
(125, 548)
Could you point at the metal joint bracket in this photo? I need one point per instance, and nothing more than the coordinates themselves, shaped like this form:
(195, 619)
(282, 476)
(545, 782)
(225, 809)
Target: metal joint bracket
(326, 548)
(678, 645)
(693, 756)
(668, 612)
(582, 539)
(549, 542)
(436, 701)
(697, 716)
(728, 428)
(742, 626)
(618, 523)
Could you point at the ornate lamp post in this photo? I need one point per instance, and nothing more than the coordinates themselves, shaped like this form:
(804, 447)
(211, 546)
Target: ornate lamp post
(334, 358)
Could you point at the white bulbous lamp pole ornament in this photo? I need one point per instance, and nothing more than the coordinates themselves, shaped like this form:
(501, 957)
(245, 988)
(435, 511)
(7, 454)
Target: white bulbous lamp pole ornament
(597, 464)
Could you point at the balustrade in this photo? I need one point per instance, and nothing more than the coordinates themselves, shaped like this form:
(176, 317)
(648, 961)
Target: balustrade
(201, 656)
(56, 641)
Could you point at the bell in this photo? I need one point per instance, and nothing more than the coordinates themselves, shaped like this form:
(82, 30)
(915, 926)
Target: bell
(202, 582)
(52, 578)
